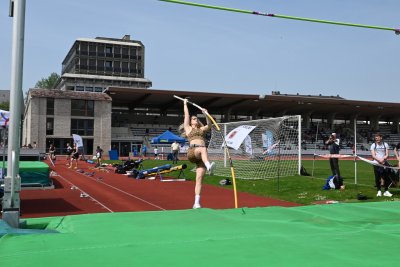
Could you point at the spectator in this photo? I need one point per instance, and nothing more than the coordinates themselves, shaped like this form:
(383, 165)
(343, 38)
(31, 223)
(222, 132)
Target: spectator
(99, 155)
(52, 153)
(175, 152)
(144, 150)
(156, 153)
(74, 156)
(380, 153)
(69, 152)
(397, 154)
(334, 146)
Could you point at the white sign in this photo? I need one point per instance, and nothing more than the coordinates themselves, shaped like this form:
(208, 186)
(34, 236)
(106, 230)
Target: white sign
(235, 137)
(77, 140)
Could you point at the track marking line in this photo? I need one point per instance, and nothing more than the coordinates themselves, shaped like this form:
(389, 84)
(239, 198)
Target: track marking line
(122, 191)
(83, 192)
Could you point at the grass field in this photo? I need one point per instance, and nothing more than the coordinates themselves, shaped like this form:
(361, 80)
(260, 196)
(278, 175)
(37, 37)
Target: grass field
(301, 189)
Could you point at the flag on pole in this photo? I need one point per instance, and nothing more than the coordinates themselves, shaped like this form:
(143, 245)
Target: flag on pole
(4, 118)
(77, 140)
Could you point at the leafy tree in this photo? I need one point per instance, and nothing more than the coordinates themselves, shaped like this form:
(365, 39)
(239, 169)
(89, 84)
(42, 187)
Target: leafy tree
(5, 106)
(49, 82)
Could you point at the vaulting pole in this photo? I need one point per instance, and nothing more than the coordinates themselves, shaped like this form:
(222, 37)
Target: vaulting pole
(397, 31)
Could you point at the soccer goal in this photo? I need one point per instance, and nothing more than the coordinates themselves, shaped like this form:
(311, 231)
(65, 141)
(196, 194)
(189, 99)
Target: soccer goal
(259, 149)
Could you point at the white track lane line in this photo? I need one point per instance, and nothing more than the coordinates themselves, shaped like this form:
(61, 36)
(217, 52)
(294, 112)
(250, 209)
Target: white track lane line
(101, 204)
(122, 191)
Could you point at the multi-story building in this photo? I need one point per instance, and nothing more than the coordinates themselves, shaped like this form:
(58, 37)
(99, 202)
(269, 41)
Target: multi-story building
(93, 64)
(78, 105)
(4, 96)
(52, 116)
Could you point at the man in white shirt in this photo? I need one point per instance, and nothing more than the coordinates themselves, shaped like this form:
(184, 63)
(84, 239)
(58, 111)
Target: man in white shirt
(175, 151)
(380, 153)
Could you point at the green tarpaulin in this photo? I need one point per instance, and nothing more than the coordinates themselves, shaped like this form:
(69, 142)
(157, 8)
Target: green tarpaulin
(33, 173)
(362, 234)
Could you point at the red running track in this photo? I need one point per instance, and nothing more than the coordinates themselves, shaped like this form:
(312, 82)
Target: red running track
(110, 192)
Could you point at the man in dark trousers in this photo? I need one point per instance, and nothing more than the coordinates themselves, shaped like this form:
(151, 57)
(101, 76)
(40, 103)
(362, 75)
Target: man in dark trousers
(333, 145)
(175, 151)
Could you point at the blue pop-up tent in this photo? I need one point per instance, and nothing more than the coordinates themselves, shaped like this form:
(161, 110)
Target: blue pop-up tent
(167, 138)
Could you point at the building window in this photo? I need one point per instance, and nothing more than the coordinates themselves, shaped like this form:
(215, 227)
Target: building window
(50, 106)
(100, 51)
(108, 65)
(79, 88)
(49, 126)
(125, 67)
(125, 52)
(117, 52)
(98, 89)
(83, 50)
(82, 108)
(109, 50)
(92, 50)
(82, 127)
(89, 89)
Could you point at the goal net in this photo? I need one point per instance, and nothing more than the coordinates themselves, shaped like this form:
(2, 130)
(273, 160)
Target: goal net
(259, 149)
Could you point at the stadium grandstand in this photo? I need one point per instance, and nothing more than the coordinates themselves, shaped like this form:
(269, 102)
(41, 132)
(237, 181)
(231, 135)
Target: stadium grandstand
(140, 114)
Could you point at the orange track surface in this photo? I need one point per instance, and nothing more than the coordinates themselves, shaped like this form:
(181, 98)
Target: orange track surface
(111, 192)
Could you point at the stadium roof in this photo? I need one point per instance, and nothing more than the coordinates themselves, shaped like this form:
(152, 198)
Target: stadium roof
(56, 93)
(250, 104)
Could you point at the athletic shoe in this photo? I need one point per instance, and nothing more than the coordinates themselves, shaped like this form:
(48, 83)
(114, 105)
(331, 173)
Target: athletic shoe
(196, 206)
(212, 168)
(387, 194)
(379, 194)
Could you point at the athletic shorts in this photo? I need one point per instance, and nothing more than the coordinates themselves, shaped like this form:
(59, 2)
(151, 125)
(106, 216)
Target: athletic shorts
(193, 159)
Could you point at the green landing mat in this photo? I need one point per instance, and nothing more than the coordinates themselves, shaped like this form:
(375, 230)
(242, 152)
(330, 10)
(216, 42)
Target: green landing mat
(360, 234)
(33, 173)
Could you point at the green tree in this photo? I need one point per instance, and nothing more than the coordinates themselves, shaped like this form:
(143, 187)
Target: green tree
(49, 82)
(5, 106)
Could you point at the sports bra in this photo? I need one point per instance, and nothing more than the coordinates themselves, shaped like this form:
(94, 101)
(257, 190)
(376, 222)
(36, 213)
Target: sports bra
(196, 133)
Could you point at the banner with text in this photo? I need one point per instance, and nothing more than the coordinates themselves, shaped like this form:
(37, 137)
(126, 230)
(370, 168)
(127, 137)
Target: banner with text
(235, 137)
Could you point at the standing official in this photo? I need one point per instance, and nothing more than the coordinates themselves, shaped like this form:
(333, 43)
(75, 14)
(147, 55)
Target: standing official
(175, 151)
(333, 145)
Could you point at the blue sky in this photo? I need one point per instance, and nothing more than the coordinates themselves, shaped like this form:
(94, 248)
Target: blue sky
(197, 49)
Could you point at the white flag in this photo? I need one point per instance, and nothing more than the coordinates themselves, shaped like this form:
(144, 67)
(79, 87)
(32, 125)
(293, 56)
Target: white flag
(235, 137)
(77, 140)
(4, 118)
